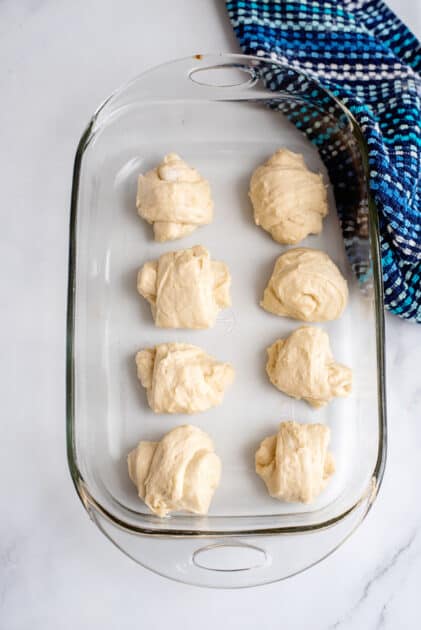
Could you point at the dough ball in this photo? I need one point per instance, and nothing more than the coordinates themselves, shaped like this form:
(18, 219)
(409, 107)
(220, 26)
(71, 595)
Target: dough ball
(295, 464)
(174, 198)
(302, 366)
(185, 289)
(181, 378)
(289, 201)
(306, 285)
(179, 473)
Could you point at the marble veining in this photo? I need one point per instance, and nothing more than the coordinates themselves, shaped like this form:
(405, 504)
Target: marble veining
(402, 554)
(60, 60)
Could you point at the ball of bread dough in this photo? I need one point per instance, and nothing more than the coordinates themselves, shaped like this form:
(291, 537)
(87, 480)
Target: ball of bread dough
(302, 366)
(178, 473)
(185, 289)
(295, 463)
(181, 378)
(306, 285)
(174, 198)
(289, 201)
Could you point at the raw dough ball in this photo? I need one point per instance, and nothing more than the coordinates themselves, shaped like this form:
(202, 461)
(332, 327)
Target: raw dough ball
(185, 289)
(295, 464)
(306, 285)
(179, 473)
(289, 201)
(302, 366)
(174, 198)
(181, 378)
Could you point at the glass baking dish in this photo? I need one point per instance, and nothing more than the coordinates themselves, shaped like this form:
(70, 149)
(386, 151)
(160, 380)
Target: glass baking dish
(219, 113)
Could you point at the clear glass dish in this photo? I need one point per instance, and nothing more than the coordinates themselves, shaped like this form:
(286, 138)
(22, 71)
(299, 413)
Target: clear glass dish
(216, 111)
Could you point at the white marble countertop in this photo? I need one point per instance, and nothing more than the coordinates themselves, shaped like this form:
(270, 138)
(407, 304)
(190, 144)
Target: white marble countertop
(59, 60)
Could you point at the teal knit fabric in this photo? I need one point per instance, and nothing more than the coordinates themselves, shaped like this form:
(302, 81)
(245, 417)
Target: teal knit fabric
(363, 54)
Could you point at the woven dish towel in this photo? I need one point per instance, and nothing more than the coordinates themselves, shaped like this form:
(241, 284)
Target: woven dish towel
(367, 58)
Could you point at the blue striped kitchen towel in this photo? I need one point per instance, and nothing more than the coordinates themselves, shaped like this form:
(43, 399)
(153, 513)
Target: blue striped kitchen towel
(368, 59)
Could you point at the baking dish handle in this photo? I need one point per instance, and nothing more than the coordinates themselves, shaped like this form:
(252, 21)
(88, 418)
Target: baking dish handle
(231, 561)
(211, 76)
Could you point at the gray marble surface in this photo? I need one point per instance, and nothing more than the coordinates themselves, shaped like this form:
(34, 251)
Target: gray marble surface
(59, 60)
